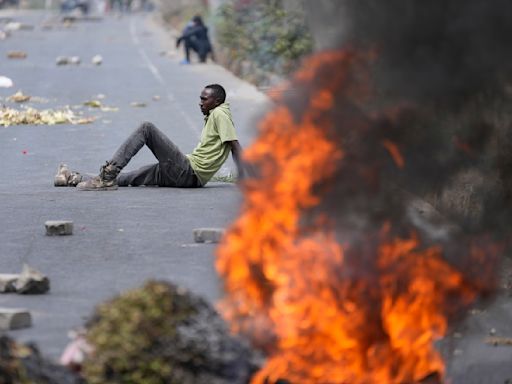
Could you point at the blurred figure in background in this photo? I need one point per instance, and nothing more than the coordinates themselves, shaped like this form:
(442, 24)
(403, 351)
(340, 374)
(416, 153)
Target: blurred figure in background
(195, 37)
(67, 6)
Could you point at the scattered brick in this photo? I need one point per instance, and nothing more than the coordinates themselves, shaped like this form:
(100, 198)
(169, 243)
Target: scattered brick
(14, 318)
(59, 227)
(208, 235)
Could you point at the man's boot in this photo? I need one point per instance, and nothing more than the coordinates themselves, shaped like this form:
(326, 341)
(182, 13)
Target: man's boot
(66, 178)
(105, 181)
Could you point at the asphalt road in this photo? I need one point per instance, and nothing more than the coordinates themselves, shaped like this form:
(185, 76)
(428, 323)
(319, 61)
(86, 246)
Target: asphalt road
(125, 237)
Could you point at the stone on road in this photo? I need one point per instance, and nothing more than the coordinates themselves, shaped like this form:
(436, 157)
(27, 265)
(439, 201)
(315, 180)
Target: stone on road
(58, 227)
(14, 318)
(208, 235)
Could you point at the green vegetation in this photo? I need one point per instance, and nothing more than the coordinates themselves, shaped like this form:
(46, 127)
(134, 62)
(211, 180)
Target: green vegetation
(264, 33)
(11, 366)
(129, 335)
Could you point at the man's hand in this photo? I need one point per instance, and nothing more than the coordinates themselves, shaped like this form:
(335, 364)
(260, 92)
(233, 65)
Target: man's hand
(243, 169)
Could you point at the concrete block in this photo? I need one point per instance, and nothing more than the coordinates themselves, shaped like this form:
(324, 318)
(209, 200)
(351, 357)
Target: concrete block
(14, 318)
(58, 227)
(8, 282)
(32, 282)
(208, 235)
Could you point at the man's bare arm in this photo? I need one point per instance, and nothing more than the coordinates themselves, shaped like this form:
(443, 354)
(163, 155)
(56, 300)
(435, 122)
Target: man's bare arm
(236, 152)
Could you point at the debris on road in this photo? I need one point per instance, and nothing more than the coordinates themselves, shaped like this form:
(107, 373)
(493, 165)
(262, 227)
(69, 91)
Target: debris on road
(97, 60)
(3, 35)
(98, 104)
(208, 235)
(14, 318)
(22, 363)
(170, 329)
(11, 116)
(76, 351)
(5, 82)
(156, 97)
(7, 282)
(93, 103)
(75, 60)
(137, 104)
(62, 60)
(58, 227)
(31, 282)
(496, 340)
(19, 97)
(16, 55)
(17, 26)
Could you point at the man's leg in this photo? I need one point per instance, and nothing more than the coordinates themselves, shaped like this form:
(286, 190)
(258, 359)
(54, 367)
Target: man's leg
(171, 170)
(187, 49)
(147, 175)
(147, 134)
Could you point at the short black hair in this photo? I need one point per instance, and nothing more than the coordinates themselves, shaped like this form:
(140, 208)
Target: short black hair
(218, 91)
(197, 19)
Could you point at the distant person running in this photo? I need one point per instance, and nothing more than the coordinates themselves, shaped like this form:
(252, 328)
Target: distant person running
(195, 37)
(174, 169)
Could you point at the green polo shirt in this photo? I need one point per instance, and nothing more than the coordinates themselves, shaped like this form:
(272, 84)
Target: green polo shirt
(213, 149)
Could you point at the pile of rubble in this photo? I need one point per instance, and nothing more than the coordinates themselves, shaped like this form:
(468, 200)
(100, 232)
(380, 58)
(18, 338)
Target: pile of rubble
(23, 364)
(163, 333)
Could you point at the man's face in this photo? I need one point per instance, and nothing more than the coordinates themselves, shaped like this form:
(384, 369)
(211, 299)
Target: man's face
(208, 101)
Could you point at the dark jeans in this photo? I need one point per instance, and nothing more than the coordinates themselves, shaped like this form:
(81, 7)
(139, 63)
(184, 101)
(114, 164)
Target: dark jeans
(172, 170)
(202, 48)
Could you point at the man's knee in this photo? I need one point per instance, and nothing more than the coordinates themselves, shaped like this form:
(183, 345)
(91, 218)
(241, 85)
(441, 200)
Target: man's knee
(147, 127)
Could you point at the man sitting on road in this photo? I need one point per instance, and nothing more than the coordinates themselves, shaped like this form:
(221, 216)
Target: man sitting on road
(174, 169)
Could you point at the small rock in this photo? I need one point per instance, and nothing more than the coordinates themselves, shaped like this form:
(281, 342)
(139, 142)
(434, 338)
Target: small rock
(31, 282)
(58, 227)
(62, 60)
(19, 97)
(14, 318)
(12, 26)
(5, 82)
(3, 35)
(138, 104)
(97, 60)
(16, 26)
(74, 60)
(492, 331)
(26, 27)
(7, 282)
(208, 235)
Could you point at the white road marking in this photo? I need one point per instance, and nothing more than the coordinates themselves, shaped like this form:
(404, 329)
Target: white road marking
(156, 73)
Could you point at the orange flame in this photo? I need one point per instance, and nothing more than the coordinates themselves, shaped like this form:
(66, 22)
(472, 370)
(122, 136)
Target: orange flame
(290, 287)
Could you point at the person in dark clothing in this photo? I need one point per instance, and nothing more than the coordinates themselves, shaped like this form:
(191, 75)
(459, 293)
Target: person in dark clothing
(195, 37)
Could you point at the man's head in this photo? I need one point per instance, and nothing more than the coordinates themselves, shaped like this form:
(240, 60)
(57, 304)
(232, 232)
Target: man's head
(197, 20)
(212, 96)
